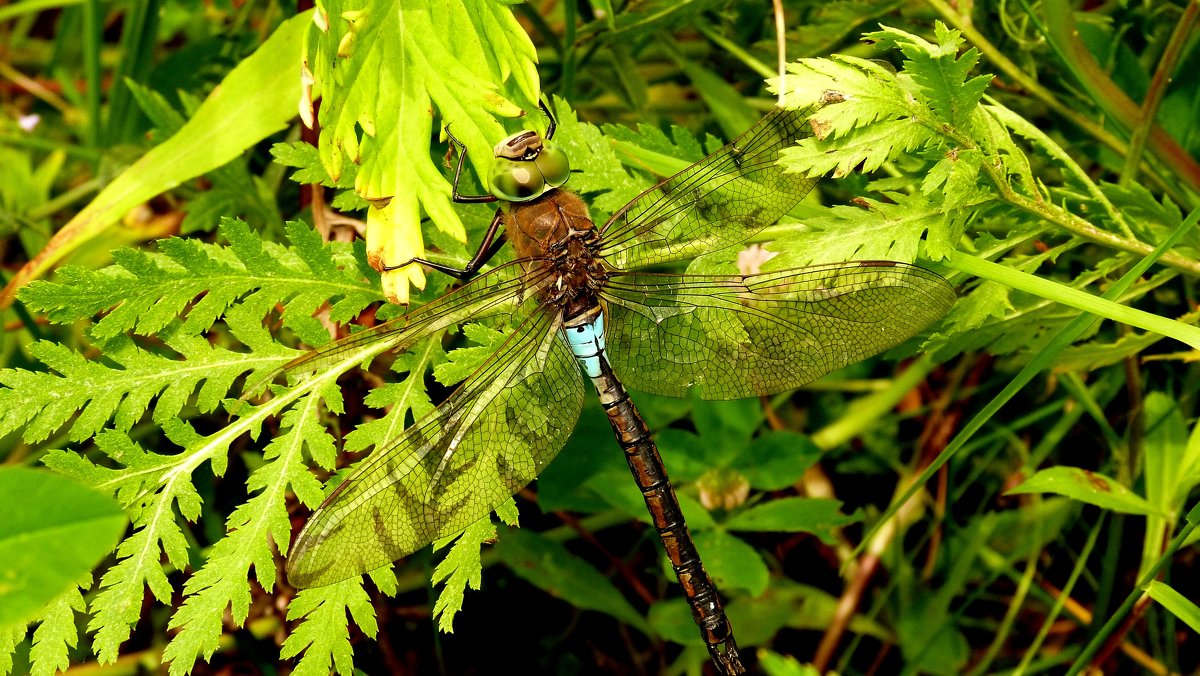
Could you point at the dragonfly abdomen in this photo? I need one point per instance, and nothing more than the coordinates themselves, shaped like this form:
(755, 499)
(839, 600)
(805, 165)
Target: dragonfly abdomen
(585, 335)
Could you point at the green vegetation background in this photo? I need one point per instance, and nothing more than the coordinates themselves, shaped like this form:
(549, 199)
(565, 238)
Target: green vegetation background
(171, 232)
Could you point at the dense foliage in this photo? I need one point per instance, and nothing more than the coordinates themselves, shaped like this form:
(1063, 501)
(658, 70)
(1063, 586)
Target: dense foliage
(1009, 491)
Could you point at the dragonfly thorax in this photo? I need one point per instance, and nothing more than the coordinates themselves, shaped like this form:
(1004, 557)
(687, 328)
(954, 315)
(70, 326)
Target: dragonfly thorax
(555, 234)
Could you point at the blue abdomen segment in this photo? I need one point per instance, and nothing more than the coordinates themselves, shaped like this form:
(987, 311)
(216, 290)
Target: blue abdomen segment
(587, 343)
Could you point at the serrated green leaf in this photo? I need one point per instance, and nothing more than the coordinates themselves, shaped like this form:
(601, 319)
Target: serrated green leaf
(890, 231)
(9, 638)
(148, 291)
(462, 568)
(165, 119)
(57, 633)
(954, 178)
(941, 77)
(857, 92)
(462, 362)
(606, 183)
(222, 584)
(54, 532)
(322, 633)
(400, 398)
(309, 169)
(681, 144)
(1094, 355)
(43, 402)
(869, 146)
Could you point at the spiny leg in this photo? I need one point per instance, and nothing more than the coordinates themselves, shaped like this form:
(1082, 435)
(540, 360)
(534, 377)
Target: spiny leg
(462, 158)
(493, 239)
(553, 124)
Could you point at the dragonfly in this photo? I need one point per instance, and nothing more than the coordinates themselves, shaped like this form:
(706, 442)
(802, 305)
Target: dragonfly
(581, 305)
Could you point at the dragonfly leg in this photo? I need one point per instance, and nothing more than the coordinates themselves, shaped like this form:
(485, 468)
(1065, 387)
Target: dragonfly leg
(462, 158)
(493, 239)
(553, 124)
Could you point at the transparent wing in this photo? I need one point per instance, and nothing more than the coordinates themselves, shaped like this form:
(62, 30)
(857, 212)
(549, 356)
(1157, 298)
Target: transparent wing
(718, 202)
(485, 442)
(502, 289)
(737, 336)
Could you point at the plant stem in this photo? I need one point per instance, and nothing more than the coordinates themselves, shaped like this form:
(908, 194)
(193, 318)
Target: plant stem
(1158, 88)
(1075, 298)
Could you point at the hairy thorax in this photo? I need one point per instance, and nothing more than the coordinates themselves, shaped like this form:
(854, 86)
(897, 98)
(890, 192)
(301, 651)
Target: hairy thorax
(557, 236)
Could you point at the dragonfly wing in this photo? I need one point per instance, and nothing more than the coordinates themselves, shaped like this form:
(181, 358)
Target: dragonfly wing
(736, 336)
(489, 439)
(716, 203)
(502, 289)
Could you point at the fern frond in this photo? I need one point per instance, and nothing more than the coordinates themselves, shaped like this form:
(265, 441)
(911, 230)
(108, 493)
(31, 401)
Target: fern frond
(223, 582)
(148, 291)
(56, 633)
(462, 567)
(941, 78)
(9, 638)
(399, 399)
(874, 230)
(324, 636)
(42, 402)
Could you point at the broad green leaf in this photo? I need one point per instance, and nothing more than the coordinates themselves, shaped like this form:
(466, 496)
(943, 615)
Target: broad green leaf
(54, 531)
(617, 488)
(1086, 486)
(255, 100)
(775, 664)
(777, 459)
(818, 516)
(672, 620)
(731, 562)
(550, 567)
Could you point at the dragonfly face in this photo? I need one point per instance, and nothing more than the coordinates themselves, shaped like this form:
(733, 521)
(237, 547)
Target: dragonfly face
(580, 303)
(525, 167)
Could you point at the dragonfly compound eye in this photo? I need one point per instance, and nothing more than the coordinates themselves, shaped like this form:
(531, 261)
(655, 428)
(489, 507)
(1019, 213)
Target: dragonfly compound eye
(554, 166)
(517, 180)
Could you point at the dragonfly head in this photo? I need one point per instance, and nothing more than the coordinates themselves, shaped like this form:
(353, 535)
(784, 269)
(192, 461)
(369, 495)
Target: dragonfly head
(526, 167)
